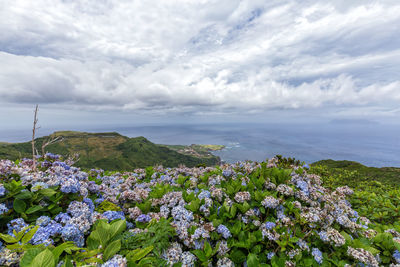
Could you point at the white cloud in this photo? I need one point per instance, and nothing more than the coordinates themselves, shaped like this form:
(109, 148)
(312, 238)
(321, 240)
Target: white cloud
(201, 56)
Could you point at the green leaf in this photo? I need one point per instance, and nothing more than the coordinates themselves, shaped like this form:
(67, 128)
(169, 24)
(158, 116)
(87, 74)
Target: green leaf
(28, 236)
(44, 259)
(28, 257)
(117, 227)
(47, 192)
(24, 195)
(139, 253)
(208, 249)
(8, 238)
(200, 255)
(19, 205)
(64, 246)
(33, 209)
(112, 249)
(252, 260)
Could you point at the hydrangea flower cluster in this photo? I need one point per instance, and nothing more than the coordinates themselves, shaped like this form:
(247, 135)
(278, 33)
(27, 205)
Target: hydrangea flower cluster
(222, 207)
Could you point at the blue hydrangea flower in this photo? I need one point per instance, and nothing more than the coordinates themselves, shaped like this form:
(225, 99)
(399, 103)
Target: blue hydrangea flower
(17, 225)
(98, 200)
(204, 194)
(2, 190)
(130, 225)
(224, 231)
(52, 156)
(89, 202)
(227, 173)
(323, 236)
(303, 186)
(113, 215)
(39, 185)
(179, 213)
(270, 255)
(3, 209)
(270, 225)
(42, 236)
(62, 218)
(143, 218)
(396, 256)
(71, 232)
(43, 220)
(61, 164)
(317, 254)
(70, 185)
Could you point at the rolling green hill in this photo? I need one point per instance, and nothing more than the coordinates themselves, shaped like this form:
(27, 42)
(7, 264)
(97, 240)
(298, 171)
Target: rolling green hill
(386, 175)
(109, 151)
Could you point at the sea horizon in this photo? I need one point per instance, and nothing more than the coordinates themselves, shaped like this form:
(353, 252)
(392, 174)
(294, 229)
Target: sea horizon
(369, 143)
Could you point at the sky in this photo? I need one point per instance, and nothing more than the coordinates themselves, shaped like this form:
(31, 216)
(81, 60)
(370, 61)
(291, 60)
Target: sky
(109, 61)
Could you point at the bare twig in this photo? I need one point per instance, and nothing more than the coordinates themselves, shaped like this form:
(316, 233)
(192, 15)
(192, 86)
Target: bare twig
(35, 127)
(50, 142)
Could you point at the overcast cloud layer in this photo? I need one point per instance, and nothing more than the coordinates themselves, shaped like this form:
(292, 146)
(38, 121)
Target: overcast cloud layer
(202, 57)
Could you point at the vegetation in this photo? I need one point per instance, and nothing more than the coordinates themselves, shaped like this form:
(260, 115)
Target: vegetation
(386, 175)
(109, 151)
(273, 213)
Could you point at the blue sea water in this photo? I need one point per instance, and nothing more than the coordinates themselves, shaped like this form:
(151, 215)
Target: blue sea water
(370, 144)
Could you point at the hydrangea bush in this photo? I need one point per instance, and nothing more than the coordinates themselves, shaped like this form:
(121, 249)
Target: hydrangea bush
(272, 213)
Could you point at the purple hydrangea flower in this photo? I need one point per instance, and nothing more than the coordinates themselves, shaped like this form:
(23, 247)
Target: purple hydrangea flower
(224, 231)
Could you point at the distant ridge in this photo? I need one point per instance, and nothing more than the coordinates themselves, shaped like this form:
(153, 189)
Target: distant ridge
(109, 151)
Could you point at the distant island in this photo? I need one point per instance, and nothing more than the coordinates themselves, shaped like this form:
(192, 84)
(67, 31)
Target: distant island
(113, 151)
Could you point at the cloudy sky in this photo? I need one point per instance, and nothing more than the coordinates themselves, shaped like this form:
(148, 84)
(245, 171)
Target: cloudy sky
(175, 60)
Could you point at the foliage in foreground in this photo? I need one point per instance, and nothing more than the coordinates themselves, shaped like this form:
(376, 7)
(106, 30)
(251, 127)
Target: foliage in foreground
(272, 213)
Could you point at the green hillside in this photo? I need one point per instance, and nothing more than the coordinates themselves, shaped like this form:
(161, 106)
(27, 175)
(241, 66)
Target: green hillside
(361, 173)
(109, 151)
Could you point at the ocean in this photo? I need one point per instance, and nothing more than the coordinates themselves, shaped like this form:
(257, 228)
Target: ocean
(370, 144)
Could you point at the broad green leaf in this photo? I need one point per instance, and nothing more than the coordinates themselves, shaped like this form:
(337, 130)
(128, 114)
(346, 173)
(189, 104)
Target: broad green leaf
(112, 249)
(57, 251)
(47, 192)
(252, 260)
(117, 227)
(33, 209)
(8, 238)
(44, 259)
(24, 195)
(28, 257)
(19, 205)
(207, 249)
(138, 254)
(200, 255)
